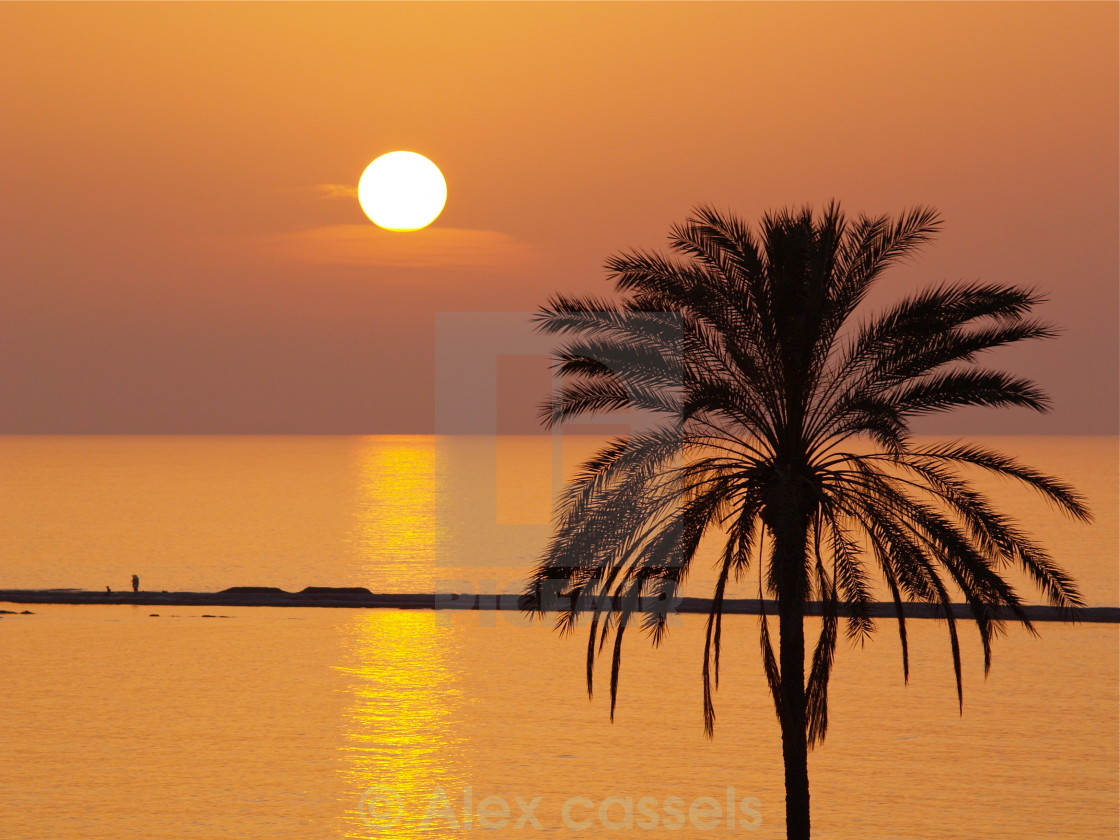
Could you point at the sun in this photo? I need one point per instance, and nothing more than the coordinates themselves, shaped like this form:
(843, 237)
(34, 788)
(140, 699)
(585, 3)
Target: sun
(402, 191)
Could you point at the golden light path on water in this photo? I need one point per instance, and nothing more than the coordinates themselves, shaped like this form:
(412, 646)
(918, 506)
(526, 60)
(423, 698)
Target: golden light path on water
(395, 510)
(401, 745)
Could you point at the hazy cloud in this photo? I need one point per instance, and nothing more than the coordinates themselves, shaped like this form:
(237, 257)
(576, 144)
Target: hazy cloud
(430, 247)
(336, 190)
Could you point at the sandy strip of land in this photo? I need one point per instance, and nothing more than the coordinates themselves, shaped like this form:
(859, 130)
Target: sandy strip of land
(359, 597)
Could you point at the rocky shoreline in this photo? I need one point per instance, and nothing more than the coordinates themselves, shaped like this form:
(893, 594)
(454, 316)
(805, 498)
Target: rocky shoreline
(361, 598)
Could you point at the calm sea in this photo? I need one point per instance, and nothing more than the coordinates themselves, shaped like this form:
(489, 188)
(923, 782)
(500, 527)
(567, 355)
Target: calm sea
(281, 723)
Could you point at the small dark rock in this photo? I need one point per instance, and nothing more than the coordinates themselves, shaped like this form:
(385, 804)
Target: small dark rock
(337, 591)
(253, 590)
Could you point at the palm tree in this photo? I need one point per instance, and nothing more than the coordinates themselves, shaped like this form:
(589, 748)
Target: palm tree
(785, 429)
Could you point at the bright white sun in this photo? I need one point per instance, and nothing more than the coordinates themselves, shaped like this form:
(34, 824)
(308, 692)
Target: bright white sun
(402, 191)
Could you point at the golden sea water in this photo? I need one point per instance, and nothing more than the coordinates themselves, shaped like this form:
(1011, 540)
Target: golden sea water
(392, 513)
(319, 723)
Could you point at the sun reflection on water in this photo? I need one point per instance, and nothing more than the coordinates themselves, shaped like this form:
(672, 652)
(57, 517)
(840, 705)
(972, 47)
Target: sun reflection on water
(396, 523)
(401, 741)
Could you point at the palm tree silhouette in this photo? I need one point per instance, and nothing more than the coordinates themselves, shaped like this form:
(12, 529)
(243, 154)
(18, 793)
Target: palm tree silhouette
(785, 428)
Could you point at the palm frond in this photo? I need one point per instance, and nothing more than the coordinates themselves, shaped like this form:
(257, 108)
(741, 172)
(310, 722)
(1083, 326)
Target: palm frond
(746, 342)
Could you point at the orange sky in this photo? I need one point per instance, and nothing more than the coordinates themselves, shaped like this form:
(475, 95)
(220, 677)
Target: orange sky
(178, 250)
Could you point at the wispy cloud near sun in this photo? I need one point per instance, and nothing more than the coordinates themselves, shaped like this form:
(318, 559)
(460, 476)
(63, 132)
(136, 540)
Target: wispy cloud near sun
(336, 191)
(367, 244)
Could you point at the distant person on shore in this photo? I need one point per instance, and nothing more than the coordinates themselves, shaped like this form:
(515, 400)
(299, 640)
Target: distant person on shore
(136, 583)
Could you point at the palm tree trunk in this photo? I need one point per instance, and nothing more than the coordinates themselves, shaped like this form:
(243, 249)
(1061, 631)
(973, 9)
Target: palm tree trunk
(795, 751)
(790, 547)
